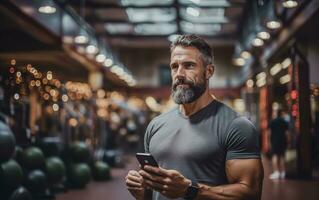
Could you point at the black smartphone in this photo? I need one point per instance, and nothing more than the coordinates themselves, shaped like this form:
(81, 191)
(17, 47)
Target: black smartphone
(146, 159)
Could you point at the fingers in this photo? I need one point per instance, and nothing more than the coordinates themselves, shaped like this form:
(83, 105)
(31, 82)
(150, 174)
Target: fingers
(134, 173)
(134, 179)
(157, 170)
(135, 188)
(131, 183)
(152, 177)
(156, 186)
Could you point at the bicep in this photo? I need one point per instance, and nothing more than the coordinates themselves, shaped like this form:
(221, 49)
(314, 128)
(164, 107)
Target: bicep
(248, 172)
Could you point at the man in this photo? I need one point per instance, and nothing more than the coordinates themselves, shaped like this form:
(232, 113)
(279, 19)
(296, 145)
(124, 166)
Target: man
(278, 140)
(204, 149)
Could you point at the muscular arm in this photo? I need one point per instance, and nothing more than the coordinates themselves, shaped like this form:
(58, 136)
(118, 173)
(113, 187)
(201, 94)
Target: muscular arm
(245, 177)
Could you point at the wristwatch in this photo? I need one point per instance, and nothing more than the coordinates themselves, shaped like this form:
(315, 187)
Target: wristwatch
(191, 191)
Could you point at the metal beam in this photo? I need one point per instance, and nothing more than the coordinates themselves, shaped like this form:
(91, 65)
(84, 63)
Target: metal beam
(148, 37)
(287, 33)
(105, 5)
(23, 20)
(92, 20)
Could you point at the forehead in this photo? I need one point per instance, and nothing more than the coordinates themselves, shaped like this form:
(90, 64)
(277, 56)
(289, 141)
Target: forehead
(180, 53)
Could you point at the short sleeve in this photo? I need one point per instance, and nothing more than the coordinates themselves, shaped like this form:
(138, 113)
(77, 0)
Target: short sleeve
(147, 137)
(242, 140)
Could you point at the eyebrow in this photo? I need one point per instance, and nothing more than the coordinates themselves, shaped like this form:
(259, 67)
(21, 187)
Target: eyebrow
(184, 62)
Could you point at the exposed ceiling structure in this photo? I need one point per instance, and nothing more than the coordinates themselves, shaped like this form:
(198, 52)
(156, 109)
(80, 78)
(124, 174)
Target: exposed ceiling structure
(153, 23)
(128, 40)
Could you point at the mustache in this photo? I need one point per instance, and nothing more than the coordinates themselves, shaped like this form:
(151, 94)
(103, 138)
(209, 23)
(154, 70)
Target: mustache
(182, 81)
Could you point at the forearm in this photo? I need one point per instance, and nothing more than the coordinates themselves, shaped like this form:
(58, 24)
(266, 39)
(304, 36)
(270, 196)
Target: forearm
(237, 191)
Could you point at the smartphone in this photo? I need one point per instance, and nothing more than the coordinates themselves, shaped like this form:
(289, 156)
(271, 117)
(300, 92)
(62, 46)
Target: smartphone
(146, 159)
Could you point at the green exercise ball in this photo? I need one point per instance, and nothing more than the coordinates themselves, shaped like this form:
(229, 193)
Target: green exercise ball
(79, 152)
(18, 154)
(7, 142)
(80, 175)
(55, 169)
(36, 181)
(11, 175)
(21, 193)
(33, 158)
(50, 146)
(101, 171)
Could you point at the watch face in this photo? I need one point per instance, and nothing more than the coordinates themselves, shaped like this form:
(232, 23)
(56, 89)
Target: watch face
(191, 192)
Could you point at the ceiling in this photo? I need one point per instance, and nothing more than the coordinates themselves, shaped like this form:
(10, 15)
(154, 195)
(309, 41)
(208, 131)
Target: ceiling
(152, 23)
(116, 28)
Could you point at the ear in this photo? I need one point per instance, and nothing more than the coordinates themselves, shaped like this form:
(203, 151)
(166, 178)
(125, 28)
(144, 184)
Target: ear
(209, 71)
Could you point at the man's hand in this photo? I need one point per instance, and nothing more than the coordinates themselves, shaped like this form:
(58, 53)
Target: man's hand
(169, 183)
(134, 182)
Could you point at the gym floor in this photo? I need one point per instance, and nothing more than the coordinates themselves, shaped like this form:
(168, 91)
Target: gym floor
(115, 189)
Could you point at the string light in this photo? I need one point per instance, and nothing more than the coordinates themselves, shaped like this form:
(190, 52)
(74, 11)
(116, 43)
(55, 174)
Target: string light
(38, 83)
(55, 107)
(65, 98)
(16, 96)
(49, 75)
(13, 62)
(46, 96)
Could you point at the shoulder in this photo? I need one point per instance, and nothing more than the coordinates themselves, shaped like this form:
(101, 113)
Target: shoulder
(161, 119)
(225, 114)
(164, 116)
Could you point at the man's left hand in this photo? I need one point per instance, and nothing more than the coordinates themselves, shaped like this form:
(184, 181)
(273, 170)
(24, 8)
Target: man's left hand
(169, 183)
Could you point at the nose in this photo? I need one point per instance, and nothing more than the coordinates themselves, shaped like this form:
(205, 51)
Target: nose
(180, 73)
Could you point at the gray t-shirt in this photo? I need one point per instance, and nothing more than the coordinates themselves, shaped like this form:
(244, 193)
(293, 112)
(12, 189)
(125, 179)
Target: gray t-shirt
(198, 146)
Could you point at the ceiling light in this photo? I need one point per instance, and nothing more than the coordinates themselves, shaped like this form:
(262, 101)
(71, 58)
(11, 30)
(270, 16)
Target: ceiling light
(68, 39)
(261, 75)
(91, 49)
(81, 39)
(289, 4)
(263, 35)
(275, 69)
(80, 49)
(250, 83)
(285, 64)
(116, 69)
(239, 62)
(261, 82)
(273, 24)
(257, 42)
(245, 54)
(108, 62)
(100, 58)
(47, 9)
(285, 79)
(192, 11)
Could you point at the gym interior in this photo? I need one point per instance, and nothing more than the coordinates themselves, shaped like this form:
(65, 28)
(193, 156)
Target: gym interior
(80, 80)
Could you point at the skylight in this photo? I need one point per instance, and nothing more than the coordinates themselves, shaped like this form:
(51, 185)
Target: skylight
(202, 29)
(153, 29)
(151, 14)
(146, 2)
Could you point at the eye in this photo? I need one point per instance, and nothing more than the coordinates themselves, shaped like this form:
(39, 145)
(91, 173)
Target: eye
(189, 65)
(173, 66)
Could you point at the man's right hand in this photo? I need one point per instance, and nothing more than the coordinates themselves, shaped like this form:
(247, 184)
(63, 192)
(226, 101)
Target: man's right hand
(134, 183)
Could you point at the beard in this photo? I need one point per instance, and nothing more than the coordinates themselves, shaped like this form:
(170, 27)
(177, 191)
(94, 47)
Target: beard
(184, 95)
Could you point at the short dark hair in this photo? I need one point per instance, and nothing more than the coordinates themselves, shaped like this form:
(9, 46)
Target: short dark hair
(192, 40)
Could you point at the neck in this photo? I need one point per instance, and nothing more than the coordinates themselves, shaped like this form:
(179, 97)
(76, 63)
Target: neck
(201, 102)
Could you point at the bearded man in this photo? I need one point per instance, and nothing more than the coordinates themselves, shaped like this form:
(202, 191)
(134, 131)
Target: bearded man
(204, 149)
